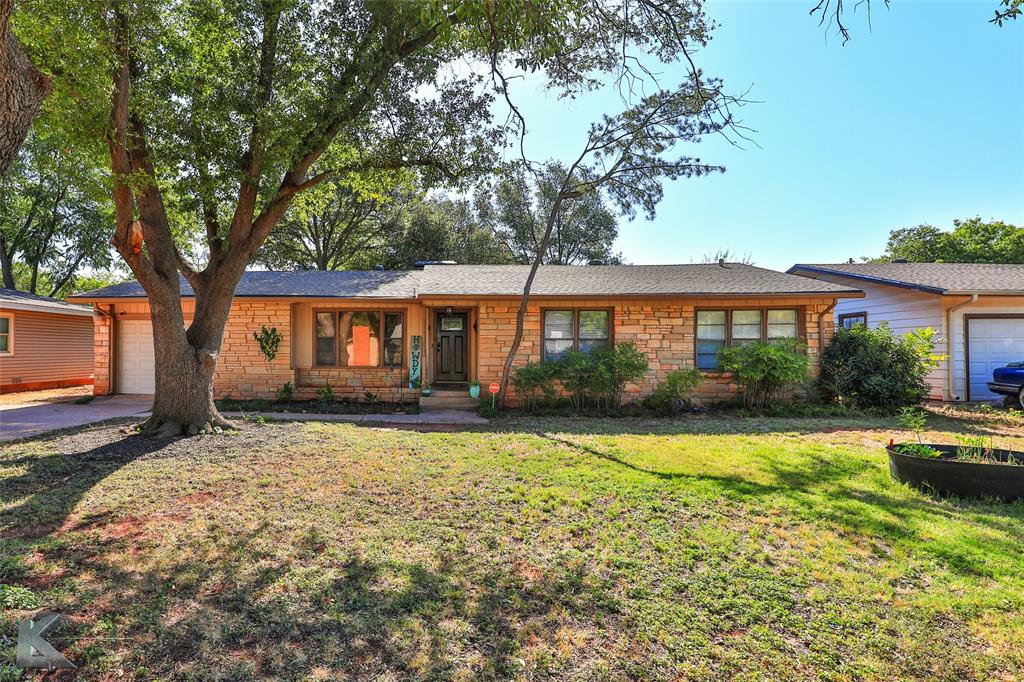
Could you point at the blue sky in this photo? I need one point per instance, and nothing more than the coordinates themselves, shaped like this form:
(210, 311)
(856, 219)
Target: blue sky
(920, 120)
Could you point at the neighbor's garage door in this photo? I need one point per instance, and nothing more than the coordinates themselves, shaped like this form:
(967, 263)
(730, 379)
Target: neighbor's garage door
(991, 342)
(135, 357)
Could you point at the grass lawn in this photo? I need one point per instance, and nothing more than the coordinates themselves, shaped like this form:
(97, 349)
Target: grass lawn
(699, 548)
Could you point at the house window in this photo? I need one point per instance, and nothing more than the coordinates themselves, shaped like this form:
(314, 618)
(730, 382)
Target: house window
(849, 320)
(581, 330)
(326, 339)
(6, 333)
(711, 337)
(359, 338)
(719, 328)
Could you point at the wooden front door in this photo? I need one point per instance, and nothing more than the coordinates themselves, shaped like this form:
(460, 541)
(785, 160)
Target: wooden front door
(452, 353)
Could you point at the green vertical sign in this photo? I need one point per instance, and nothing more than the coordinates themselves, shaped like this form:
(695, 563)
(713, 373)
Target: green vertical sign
(415, 361)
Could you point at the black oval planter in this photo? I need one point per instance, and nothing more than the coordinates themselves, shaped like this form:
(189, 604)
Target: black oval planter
(947, 475)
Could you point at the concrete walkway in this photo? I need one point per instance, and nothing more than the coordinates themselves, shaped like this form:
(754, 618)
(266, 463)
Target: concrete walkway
(33, 420)
(455, 417)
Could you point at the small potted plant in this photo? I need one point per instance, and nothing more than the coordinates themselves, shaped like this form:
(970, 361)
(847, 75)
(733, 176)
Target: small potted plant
(426, 389)
(474, 390)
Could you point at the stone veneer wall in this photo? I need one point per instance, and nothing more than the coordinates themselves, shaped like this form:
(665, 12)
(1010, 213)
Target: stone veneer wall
(662, 328)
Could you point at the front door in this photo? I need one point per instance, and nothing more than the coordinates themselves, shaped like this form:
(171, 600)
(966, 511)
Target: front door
(451, 347)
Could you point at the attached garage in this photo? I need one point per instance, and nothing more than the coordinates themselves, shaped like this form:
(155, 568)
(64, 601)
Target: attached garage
(992, 341)
(135, 361)
(975, 309)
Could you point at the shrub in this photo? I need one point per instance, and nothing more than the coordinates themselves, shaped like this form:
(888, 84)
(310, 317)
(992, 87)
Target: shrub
(867, 368)
(576, 373)
(285, 393)
(674, 391)
(535, 380)
(765, 370)
(325, 394)
(612, 369)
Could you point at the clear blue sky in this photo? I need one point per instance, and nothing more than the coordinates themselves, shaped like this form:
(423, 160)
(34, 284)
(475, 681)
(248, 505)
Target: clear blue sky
(920, 120)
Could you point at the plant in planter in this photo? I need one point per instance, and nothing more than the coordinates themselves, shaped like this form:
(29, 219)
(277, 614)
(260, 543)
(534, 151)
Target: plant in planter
(474, 389)
(914, 419)
(426, 389)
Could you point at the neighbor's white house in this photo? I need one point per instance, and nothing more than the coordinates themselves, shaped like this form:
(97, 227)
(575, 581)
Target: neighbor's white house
(976, 309)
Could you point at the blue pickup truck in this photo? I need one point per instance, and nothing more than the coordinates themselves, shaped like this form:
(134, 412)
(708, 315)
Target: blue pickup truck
(1009, 381)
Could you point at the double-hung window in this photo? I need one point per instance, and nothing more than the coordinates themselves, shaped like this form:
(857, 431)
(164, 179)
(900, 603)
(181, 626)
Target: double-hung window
(359, 338)
(717, 329)
(6, 335)
(581, 330)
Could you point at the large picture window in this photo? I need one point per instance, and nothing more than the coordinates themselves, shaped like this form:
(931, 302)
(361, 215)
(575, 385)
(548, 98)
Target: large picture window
(738, 327)
(359, 338)
(581, 330)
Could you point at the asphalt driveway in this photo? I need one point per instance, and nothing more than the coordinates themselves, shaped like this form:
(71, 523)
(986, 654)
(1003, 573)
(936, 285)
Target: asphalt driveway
(32, 420)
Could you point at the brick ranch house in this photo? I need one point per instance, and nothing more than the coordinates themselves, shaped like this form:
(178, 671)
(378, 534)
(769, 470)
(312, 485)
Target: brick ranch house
(378, 331)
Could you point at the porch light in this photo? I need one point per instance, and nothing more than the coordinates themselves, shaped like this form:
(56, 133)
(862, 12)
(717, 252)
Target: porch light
(448, 310)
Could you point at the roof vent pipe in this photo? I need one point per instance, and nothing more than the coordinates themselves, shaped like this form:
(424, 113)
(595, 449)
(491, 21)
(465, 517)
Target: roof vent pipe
(721, 262)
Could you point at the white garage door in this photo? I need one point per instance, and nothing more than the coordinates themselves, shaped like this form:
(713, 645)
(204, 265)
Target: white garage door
(992, 342)
(135, 357)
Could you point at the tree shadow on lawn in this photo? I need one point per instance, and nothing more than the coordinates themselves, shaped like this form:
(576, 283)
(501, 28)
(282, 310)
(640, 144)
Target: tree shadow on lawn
(822, 488)
(229, 612)
(51, 485)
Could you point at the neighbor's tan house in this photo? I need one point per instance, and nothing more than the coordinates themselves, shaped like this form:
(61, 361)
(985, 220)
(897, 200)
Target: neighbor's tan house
(44, 343)
(976, 310)
(446, 325)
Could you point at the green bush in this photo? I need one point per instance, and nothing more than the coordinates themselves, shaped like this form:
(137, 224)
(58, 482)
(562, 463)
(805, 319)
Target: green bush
(867, 368)
(285, 393)
(612, 369)
(325, 394)
(534, 381)
(575, 371)
(673, 393)
(765, 370)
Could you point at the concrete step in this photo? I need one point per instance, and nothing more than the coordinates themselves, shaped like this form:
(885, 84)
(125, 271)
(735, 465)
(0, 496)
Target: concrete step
(448, 400)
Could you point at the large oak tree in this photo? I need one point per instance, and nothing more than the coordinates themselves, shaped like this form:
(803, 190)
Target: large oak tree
(220, 111)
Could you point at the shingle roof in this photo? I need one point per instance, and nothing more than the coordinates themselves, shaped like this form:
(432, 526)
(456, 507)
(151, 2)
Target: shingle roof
(729, 279)
(12, 299)
(621, 280)
(296, 283)
(938, 278)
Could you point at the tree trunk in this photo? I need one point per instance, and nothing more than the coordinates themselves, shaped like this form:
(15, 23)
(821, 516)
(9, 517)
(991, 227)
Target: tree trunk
(183, 403)
(6, 265)
(524, 303)
(22, 90)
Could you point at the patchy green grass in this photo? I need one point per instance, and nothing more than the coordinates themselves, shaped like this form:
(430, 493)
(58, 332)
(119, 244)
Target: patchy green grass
(698, 548)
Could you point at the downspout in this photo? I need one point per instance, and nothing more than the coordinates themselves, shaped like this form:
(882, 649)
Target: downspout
(949, 346)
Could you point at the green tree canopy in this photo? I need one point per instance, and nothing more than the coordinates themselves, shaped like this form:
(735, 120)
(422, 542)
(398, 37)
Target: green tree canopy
(972, 240)
(517, 211)
(55, 216)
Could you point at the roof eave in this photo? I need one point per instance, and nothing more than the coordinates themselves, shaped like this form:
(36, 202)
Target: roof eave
(869, 278)
(53, 310)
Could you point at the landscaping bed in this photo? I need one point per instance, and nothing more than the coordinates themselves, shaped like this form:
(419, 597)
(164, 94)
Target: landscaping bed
(343, 406)
(994, 472)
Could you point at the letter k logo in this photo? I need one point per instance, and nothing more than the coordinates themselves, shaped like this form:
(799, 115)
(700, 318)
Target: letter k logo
(35, 652)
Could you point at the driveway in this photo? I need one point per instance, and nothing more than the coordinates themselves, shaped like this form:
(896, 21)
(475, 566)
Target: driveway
(20, 422)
